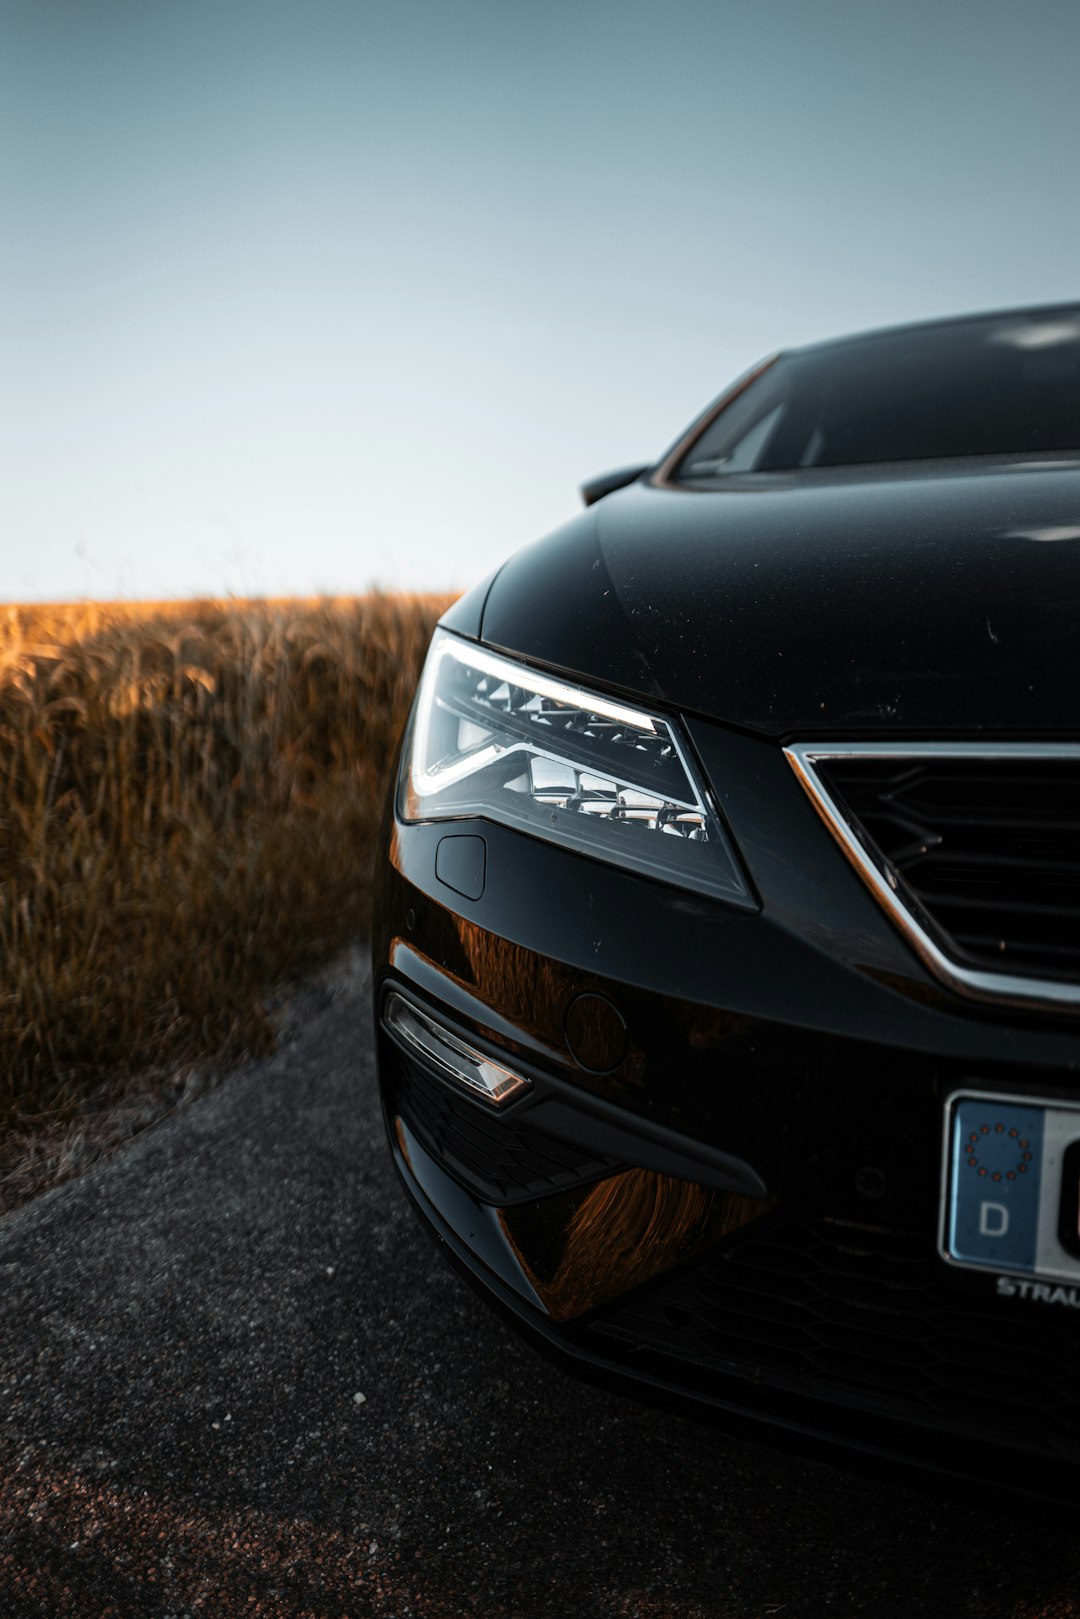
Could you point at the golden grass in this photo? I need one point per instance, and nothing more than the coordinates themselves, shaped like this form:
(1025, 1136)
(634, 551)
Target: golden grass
(188, 798)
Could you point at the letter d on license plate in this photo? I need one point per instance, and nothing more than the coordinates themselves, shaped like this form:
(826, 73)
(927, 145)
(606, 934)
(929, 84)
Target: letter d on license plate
(1005, 1203)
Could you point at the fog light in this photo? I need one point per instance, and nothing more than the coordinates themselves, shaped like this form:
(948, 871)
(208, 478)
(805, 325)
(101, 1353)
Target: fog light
(452, 1056)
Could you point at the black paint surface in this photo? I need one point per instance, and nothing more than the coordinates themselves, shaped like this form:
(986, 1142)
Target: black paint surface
(918, 600)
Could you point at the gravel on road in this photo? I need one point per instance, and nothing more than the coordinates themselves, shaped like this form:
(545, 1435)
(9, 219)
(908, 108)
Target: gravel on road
(238, 1378)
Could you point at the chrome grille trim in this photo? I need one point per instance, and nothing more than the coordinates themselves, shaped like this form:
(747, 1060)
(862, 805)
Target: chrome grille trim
(804, 757)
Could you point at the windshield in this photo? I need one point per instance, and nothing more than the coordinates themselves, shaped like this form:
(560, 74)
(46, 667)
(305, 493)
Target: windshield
(1001, 385)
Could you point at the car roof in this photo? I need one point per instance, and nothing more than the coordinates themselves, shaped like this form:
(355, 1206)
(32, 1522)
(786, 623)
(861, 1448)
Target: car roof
(942, 323)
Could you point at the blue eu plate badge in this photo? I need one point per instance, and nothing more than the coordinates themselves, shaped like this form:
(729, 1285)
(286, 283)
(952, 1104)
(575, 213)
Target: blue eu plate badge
(1005, 1197)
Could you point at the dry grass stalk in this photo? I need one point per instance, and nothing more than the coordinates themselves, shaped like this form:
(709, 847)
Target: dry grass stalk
(188, 797)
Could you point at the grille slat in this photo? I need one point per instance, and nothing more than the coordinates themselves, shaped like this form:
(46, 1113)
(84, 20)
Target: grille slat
(1022, 905)
(984, 852)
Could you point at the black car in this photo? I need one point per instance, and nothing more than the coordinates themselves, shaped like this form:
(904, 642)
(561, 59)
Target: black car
(727, 942)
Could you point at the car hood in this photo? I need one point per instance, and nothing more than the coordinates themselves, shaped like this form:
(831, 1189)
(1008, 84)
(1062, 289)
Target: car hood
(914, 601)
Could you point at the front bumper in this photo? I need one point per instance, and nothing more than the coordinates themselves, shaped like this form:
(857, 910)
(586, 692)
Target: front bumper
(742, 1212)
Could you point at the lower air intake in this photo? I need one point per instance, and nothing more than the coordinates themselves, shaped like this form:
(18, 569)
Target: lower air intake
(498, 1158)
(867, 1317)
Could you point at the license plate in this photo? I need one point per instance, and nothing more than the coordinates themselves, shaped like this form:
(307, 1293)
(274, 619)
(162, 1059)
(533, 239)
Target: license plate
(1011, 1185)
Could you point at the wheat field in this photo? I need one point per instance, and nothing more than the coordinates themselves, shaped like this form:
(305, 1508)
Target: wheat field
(188, 798)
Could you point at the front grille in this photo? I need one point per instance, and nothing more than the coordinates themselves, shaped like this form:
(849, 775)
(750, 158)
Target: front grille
(500, 1159)
(868, 1317)
(985, 852)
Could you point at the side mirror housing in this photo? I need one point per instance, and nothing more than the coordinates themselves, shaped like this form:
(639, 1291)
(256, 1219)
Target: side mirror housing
(607, 483)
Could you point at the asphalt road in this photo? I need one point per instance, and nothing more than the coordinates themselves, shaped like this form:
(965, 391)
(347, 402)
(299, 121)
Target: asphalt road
(186, 1333)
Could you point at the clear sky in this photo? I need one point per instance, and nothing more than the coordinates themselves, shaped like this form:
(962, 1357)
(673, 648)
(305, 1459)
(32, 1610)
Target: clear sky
(306, 295)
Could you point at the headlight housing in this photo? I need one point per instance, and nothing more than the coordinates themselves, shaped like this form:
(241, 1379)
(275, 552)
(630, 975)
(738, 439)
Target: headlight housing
(493, 738)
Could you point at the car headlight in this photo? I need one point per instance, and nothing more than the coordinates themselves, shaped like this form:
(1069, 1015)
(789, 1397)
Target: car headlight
(496, 739)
